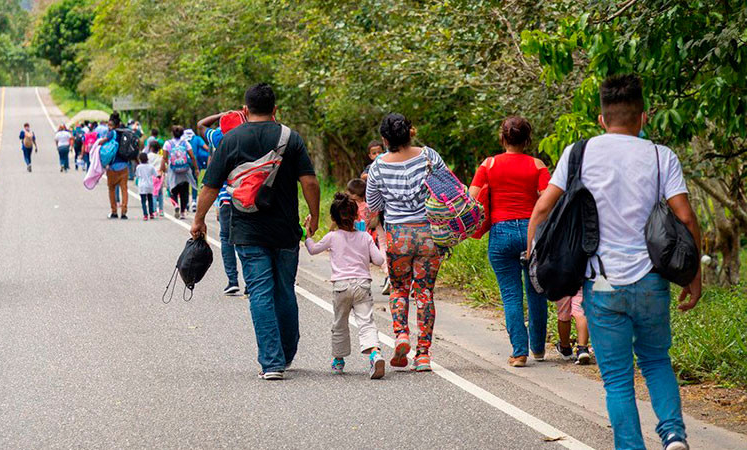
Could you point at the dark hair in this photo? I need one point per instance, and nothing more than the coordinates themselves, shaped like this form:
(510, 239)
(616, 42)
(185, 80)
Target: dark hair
(26, 125)
(622, 99)
(114, 117)
(517, 131)
(143, 158)
(154, 146)
(177, 131)
(94, 124)
(357, 186)
(260, 99)
(373, 144)
(344, 211)
(395, 128)
(154, 132)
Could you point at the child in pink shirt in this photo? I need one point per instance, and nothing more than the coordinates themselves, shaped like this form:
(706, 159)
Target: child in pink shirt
(570, 307)
(352, 252)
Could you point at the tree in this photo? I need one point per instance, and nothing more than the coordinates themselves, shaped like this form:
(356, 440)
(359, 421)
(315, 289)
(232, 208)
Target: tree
(63, 27)
(692, 56)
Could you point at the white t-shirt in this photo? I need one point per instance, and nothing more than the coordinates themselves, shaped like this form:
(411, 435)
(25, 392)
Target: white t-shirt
(145, 174)
(620, 172)
(63, 138)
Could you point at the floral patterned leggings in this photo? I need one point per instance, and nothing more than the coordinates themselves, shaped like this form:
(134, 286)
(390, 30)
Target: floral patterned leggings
(414, 261)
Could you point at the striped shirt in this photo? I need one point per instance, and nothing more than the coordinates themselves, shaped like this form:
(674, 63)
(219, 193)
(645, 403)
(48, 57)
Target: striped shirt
(398, 188)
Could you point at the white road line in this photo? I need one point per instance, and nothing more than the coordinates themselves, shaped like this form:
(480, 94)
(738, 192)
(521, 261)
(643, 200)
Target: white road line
(44, 108)
(467, 386)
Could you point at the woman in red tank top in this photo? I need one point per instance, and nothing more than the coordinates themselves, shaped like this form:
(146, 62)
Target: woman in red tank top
(515, 181)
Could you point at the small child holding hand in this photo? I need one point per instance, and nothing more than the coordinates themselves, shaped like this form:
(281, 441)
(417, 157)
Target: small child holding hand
(352, 252)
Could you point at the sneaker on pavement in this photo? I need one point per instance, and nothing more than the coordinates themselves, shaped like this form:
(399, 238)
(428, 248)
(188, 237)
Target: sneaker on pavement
(160, 213)
(28, 168)
(582, 355)
(113, 216)
(387, 287)
(231, 289)
(272, 375)
(378, 366)
(123, 217)
(421, 363)
(517, 361)
(565, 352)
(674, 442)
(177, 213)
(153, 216)
(194, 207)
(338, 364)
(401, 349)
(288, 365)
(538, 356)
(145, 218)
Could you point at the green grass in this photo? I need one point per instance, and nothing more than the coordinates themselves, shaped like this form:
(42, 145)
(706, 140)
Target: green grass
(710, 341)
(328, 192)
(71, 104)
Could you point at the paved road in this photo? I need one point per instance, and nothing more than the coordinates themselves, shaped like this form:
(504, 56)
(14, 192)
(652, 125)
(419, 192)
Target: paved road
(91, 357)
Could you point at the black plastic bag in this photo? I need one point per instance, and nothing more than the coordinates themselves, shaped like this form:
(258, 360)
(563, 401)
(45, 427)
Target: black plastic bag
(670, 244)
(192, 265)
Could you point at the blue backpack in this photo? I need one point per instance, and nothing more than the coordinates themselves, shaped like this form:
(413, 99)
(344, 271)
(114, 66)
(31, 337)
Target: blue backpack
(109, 151)
(178, 156)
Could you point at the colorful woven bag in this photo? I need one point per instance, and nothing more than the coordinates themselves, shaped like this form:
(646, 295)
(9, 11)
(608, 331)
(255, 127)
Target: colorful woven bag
(452, 213)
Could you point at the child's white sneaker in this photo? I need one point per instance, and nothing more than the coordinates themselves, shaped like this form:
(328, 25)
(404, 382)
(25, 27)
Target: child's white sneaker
(377, 365)
(338, 364)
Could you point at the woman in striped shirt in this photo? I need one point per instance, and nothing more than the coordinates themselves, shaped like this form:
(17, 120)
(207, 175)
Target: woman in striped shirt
(396, 185)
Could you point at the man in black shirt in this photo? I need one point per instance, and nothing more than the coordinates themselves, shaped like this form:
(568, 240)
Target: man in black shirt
(267, 240)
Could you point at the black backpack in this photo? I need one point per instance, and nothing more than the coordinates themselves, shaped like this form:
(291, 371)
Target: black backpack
(129, 146)
(568, 238)
(192, 265)
(670, 244)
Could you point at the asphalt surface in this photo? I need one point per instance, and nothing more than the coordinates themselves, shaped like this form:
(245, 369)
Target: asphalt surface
(90, 357)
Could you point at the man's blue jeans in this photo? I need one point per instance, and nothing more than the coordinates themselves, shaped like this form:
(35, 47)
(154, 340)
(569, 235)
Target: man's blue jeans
(507, 240)
(228, 251)
(27, 155)
(270, 276)
(635, 318)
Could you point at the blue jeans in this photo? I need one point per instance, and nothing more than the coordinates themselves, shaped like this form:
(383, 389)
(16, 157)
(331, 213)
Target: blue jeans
(507, 240)
(159, 199)
(270, 276)
(27, 155)
(64, 152)
(146, 201)
(635, 318)
(228, 251)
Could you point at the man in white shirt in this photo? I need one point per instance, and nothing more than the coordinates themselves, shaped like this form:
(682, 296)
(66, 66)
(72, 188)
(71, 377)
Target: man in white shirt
(620, 171)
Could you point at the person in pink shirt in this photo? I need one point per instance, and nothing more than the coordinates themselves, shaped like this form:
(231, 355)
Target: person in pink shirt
(88, 142)
(351, 253)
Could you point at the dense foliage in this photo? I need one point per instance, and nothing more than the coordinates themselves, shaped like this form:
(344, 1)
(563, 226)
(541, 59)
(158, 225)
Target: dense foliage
(692, 56)
(456, 68)
(63, 27)
(17, 63)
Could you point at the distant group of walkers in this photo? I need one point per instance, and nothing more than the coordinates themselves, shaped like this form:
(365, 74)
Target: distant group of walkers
(252, 176)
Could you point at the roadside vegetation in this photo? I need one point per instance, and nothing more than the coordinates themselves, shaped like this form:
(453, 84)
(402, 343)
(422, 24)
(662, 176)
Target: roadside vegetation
(71, 103)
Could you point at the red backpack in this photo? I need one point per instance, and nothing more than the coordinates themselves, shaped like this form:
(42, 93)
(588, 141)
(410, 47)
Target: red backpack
(231, 120)
(250, 184)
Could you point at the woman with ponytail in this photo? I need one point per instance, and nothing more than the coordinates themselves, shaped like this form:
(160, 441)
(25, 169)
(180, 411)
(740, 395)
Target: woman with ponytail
(515, 181)
(396, 185)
